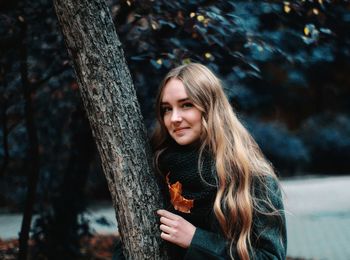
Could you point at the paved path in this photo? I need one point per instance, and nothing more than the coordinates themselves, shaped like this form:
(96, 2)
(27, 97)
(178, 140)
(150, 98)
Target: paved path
(101, 219)
(318, 221)
(318, 218)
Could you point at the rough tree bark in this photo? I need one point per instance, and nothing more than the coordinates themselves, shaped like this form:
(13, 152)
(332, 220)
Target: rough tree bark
(117, 125)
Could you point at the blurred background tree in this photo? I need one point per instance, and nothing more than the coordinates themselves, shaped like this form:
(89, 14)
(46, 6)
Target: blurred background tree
(285, 67)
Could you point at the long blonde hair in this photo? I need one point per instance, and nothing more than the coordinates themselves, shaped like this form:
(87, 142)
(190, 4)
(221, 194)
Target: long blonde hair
(237, 156)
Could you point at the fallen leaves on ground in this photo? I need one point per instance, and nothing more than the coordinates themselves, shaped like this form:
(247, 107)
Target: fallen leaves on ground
(97, 247)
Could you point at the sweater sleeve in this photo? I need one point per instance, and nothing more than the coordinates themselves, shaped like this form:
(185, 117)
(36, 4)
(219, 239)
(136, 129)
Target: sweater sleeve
(206, 245)
(268, 235)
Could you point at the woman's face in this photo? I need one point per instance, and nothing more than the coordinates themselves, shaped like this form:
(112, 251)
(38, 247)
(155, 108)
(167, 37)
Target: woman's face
(181, 118)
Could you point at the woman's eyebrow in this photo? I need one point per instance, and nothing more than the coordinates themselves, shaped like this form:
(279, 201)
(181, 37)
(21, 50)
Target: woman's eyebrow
(179, 101)
(183, 100)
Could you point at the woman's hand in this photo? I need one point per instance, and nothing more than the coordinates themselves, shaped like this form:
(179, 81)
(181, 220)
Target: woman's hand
(175, 229)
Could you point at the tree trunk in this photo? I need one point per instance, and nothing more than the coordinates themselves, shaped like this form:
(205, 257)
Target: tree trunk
(117, 125)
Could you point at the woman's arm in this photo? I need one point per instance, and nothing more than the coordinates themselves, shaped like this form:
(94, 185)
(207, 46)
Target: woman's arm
(269, 238)
(269, 231)
(207, 245)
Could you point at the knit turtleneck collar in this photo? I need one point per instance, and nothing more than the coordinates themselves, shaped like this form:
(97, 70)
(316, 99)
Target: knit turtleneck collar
(180, 165)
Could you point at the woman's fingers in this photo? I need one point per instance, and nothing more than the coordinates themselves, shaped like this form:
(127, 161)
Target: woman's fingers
(167, 214)
(165, 236)
(168, 218)
(166, 229)
(167, 222)
(175, 229)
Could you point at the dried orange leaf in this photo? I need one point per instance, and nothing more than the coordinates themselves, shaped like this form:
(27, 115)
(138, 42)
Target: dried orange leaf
(179, 202)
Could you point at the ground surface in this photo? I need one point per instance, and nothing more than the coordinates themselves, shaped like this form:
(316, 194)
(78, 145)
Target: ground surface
(318, 221)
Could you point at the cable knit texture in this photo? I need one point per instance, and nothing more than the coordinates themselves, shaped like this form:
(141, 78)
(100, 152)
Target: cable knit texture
(180, 164)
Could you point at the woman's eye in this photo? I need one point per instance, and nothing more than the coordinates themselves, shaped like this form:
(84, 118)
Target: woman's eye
(166, 109)
(187, 105)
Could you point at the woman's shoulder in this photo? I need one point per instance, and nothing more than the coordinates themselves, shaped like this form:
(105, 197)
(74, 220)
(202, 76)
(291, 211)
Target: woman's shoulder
(267, 188)
(266, 182)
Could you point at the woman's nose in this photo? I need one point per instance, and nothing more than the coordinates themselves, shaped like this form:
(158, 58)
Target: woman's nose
(176, 116)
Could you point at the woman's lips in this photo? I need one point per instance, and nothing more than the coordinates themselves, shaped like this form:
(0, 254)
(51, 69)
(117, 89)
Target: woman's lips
(176, 130)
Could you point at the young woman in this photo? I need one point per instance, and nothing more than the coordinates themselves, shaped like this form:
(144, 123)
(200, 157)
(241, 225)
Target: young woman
(225, 200)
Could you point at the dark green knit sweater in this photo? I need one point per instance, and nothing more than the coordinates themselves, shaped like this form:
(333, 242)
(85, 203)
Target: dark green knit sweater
(269, 240)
